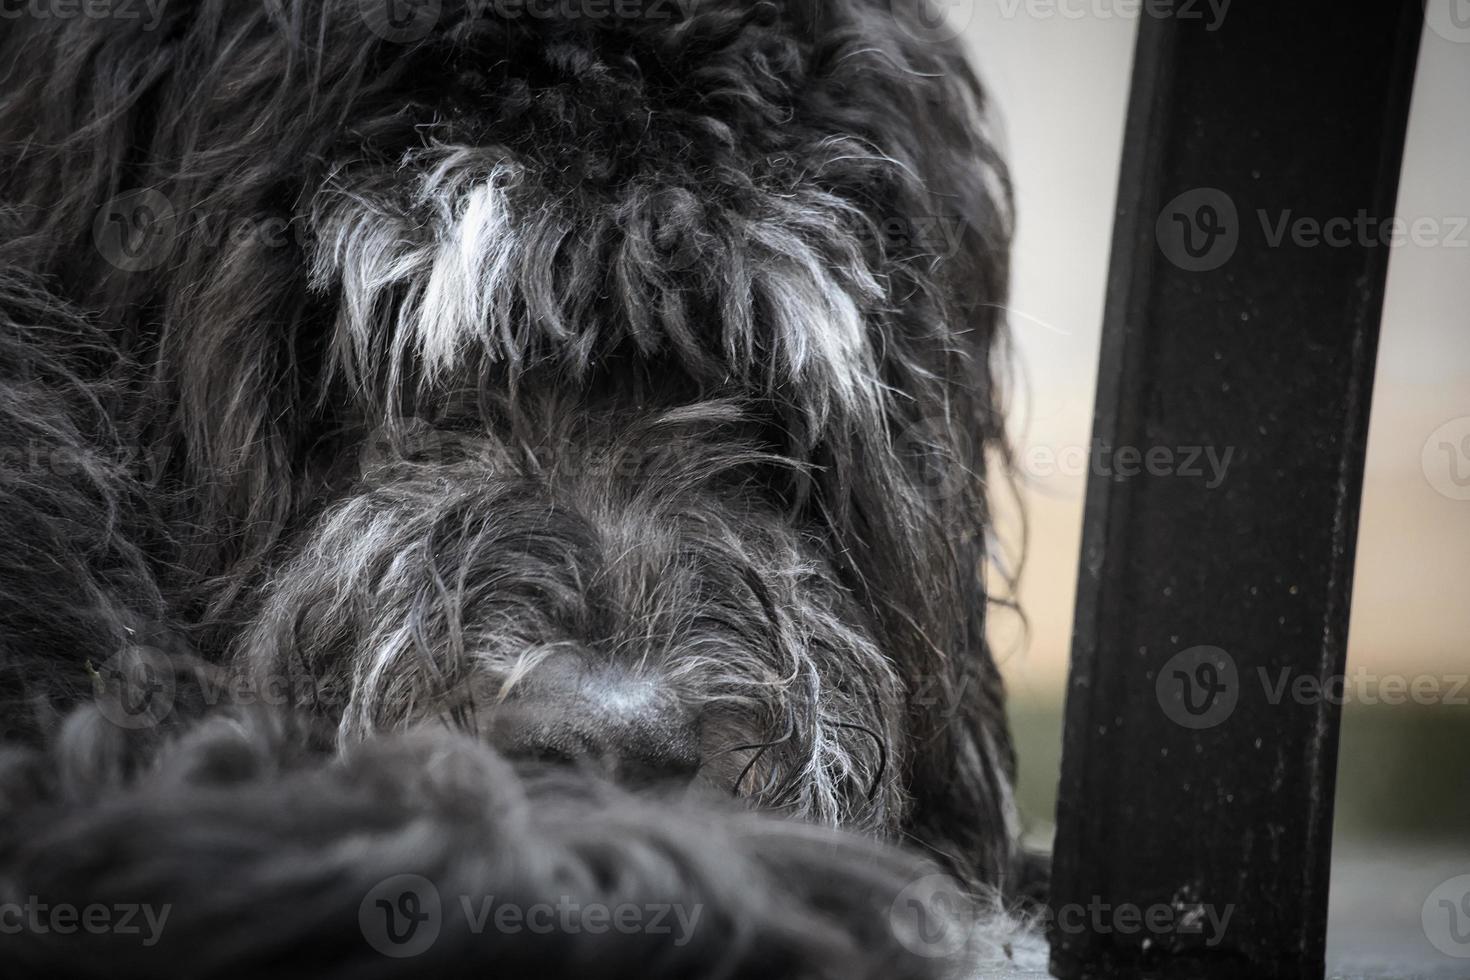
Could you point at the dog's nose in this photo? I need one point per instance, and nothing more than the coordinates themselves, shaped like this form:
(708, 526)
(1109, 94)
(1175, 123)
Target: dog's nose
(626, 726)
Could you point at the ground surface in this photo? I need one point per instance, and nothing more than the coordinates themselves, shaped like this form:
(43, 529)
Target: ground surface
(1378, 924)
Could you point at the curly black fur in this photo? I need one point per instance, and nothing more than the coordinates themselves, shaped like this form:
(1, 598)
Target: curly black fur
(613, 384)
(254, 856)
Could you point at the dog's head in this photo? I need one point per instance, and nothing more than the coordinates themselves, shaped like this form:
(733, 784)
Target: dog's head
(722, 280)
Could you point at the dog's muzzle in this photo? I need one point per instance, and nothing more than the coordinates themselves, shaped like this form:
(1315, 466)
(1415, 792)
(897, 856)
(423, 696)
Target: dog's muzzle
(606, 718)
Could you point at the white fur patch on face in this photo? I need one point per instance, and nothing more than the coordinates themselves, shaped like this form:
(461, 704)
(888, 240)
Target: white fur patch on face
(436, 271)
(820, 333)
(472, 265)
(446, 256)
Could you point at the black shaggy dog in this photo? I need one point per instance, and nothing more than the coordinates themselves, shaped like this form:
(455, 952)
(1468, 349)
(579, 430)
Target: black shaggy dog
(400, 399)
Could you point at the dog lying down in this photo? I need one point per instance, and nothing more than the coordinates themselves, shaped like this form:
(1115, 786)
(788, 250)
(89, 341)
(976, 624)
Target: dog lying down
(500, 486)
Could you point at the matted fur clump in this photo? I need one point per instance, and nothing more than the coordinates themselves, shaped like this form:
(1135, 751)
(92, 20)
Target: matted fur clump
(243, 853)
(406, 403)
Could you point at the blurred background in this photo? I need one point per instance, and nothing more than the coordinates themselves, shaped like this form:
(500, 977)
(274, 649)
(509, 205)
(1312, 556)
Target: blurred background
(1058, 76)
